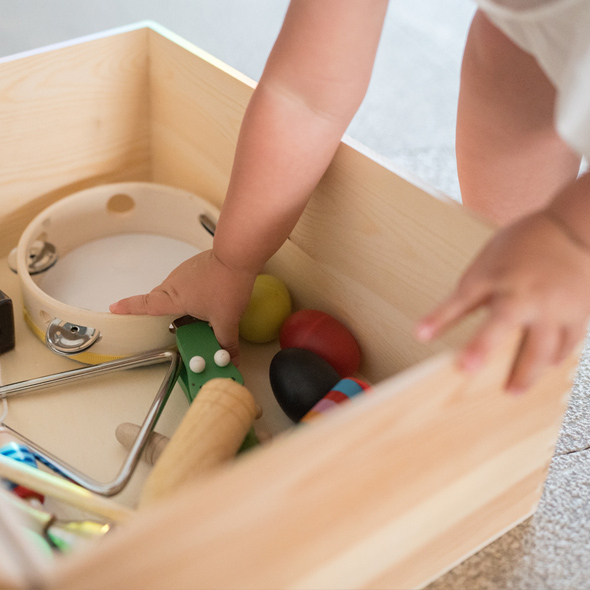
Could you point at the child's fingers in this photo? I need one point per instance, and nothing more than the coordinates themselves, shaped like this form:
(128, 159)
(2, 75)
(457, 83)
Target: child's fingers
(501, 321)
(459, 304)
(156, 302)
(537, 351)
(570, 337)
(130, 305)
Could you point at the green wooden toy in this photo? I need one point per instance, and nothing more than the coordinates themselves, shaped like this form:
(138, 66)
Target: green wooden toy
(202, 356)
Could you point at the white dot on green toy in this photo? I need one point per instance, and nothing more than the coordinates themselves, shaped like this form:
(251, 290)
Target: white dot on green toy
(269, 307)
(197, 364)
(221, 358)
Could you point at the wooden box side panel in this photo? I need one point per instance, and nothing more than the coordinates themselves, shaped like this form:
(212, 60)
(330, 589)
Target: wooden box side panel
(71, 117)
(383, 493)
(384, 331)
(386, 237)
(378, 252)
(197, 106)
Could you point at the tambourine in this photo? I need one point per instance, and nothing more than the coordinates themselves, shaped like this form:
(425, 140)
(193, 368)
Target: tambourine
(97, 246)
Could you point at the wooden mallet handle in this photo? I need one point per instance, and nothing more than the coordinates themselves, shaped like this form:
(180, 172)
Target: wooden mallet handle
(126, 434)
(210, 433)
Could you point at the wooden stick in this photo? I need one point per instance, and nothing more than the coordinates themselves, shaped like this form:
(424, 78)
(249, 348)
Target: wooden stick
(23, 563)
(126, 434)
(210, 433)
(36, 519)
(63, 490)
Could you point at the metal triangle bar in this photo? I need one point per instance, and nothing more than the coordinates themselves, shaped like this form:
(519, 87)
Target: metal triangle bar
(118, 483)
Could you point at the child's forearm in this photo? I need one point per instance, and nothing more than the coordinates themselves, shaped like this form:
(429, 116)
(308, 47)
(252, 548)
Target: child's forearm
(283, 150)
(571, 211)
(312, 85)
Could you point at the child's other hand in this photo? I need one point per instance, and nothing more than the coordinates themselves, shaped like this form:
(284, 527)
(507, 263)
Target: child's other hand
(532, 275)
(202, 287)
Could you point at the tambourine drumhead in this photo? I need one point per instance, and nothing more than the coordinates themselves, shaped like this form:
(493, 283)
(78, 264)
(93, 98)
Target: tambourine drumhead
(108, 269)
(111, 242)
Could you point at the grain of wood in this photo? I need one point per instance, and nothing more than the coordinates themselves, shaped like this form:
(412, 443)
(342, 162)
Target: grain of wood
(389, 491)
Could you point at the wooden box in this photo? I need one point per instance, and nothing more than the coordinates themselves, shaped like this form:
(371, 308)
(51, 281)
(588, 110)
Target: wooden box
(391, 490)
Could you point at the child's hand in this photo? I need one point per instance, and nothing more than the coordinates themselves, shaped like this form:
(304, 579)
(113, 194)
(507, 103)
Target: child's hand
(204, 288)
(531, 275)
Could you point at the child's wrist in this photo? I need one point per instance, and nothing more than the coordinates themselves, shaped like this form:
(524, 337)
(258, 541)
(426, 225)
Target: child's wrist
(570, 212)
(235, 268)
(567, 227)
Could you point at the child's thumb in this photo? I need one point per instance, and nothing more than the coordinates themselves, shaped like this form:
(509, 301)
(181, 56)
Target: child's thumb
(154, 303)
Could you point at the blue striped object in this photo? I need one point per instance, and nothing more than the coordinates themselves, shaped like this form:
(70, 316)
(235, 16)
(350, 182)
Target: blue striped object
(19, 453)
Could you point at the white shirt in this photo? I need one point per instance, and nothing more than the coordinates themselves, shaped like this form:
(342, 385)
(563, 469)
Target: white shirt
(557, 34)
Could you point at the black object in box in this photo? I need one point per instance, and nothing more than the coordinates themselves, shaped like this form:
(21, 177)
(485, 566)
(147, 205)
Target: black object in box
(6, 323)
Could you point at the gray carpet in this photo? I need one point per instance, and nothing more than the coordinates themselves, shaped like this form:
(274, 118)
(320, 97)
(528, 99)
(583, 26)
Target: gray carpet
(408, 117)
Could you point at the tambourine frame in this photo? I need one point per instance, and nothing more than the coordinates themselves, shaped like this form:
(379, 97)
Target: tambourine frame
(107, 210)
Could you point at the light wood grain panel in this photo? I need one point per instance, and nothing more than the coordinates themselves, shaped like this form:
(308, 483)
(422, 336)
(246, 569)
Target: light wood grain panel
(381, 321)
(197, 109)
(349, 501)
(369, 225)
(515, 505)
(71, 118)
